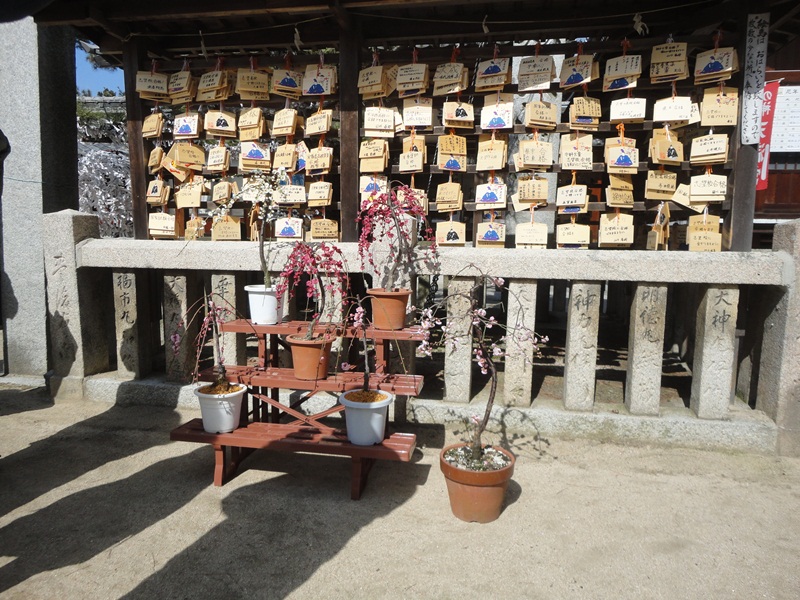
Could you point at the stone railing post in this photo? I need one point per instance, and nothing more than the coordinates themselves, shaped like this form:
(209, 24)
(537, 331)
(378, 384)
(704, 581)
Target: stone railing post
(132, 323)
(779, 375)
(458, 360)
(518, 374)
(228, 289)
(183, 313)
(77, 302)
(646, 349)
(580, 354)
(714, 351)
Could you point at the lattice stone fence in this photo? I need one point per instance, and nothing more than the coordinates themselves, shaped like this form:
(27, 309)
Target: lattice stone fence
(98, 295)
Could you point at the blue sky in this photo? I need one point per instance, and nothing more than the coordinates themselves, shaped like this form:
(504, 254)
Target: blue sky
(96, 79)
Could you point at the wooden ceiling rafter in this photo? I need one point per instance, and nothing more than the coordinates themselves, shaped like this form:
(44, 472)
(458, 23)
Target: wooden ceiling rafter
(242, 26)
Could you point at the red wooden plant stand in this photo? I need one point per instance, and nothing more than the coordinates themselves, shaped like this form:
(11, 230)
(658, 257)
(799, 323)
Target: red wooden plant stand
(270, 424)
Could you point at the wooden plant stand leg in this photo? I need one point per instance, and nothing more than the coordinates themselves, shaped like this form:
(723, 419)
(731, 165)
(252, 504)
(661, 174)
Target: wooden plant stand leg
(224, 469)
(358, 476)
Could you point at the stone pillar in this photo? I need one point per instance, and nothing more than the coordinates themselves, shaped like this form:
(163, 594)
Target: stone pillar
(183, 313)
(779, 376)
(38, 105)
(518, 375)
(714, 352)
(132, 319)
(458, 360)
(228, 290)
(580, 354)
(77, 304)
(646, 349)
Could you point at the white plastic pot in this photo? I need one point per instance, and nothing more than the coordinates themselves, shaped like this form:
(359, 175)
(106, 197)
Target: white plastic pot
(263, 305)
(366, 421)
(220, 412)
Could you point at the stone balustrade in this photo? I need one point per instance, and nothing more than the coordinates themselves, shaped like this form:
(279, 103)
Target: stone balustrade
(119, 269)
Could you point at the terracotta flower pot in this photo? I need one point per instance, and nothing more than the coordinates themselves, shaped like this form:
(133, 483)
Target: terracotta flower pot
(310, 357)
(389, 308)
(476, 495)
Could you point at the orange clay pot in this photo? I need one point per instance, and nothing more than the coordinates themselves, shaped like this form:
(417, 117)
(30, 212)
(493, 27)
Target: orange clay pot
(389, 308)
(310, 357)
(476, 496)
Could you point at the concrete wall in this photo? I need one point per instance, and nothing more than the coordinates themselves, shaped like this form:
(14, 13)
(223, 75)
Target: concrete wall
(37, 97)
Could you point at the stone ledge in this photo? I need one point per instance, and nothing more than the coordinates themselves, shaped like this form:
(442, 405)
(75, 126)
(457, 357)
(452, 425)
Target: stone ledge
(745, 431)
(758, 267)
(28, 381)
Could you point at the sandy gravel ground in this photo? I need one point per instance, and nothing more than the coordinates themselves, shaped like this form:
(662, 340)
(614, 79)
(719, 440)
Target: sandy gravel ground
(96, 502)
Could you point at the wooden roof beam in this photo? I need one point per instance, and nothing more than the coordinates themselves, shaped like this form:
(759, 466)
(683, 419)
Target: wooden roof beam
(342, 16)
(113, 29)
(148, 10)
(775, 26)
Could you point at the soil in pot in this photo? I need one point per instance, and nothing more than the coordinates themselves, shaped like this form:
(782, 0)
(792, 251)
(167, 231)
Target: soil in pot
(366, 397)
(476, 495)
(389, 308)
(310, 357)
(219, 387)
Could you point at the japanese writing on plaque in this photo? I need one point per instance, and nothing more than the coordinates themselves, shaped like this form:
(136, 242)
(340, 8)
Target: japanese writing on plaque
(754, 65)
(786, 122)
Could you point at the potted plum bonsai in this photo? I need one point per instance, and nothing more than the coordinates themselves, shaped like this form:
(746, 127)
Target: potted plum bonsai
(477, 474)
(262, 189)
(394, 220)
(391, 226)
(365, 408)
(220, 401)
(320, 266)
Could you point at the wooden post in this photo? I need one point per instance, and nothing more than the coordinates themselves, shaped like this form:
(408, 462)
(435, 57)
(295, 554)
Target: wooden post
(738, 227)
(349, 65)
(133, 57)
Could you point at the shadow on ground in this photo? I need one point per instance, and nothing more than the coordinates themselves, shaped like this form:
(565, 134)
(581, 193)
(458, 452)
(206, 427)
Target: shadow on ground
(284, 527)
(77, 449)
(81, 525)
(13, 401)
(284, 516)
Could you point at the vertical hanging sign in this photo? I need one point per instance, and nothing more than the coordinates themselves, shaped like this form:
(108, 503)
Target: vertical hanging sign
(767, 112)
(754, 67)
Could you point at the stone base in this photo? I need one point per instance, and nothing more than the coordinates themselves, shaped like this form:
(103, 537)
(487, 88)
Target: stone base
(151, 391)
(746, 430)
(63, 389)
(31, 381)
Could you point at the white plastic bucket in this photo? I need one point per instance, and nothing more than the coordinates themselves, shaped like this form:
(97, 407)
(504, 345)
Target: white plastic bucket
(366, 421)
(263, 305)
(220, 412)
